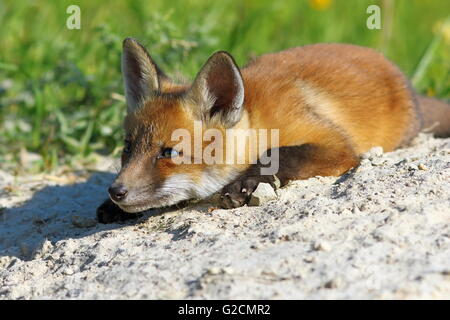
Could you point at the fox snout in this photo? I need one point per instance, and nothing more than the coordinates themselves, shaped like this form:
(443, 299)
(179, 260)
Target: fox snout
(117, 192)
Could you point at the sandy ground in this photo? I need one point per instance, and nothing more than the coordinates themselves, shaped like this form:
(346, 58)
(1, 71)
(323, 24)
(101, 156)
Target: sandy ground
(379, 232)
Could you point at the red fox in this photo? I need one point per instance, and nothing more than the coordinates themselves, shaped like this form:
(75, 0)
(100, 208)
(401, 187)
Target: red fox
(329, 103)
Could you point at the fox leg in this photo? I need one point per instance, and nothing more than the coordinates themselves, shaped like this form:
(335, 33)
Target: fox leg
(109, 212)
(295, 163)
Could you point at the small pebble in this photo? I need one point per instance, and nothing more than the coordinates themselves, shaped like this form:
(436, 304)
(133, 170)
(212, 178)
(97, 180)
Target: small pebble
(333, 283)
(217, 270)
(373, 153)
(422, 167)
(346, 212)
(83, 222)
(263, 194)
(321, 246)
(68, 271)
(377, 162)
(214, 270)
(4, 261)
(228, 270)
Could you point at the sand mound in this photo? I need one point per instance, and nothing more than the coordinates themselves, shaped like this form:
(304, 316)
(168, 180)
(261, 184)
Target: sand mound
(380, 231)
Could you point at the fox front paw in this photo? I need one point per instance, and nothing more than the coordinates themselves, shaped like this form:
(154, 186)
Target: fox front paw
(238, 193)
(109, 212)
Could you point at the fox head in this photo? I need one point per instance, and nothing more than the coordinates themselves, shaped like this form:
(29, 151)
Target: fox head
(151, 174)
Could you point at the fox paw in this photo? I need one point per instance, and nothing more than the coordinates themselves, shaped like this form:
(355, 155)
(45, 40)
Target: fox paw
(238, 193)
(109, 212)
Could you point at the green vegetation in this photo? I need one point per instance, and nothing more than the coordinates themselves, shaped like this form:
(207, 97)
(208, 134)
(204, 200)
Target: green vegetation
(60, 89)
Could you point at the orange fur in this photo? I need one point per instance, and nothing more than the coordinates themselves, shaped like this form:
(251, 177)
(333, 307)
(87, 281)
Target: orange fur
(369, 101)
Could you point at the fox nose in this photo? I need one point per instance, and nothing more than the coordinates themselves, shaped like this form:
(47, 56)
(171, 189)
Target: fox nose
(117, 192)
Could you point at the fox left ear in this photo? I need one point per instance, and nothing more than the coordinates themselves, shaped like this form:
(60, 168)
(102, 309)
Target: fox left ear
(141, 75)
(218, 91)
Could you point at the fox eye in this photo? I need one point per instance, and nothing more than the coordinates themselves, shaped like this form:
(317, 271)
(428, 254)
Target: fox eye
(168, 153)
(127, 147)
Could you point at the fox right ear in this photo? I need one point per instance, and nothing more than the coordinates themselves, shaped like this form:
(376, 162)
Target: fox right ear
(218, 90)
(141, 75)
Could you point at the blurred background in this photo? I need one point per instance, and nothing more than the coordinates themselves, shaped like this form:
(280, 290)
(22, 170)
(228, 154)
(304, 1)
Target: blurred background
(61, 95)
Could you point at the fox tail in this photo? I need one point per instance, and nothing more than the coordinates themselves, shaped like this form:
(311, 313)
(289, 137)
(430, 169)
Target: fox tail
(436, 116)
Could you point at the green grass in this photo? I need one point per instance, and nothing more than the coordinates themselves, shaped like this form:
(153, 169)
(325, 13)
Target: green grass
(57, 85)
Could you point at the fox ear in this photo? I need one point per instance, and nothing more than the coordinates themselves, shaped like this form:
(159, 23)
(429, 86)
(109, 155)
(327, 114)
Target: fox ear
(218, 90)
(141, 75)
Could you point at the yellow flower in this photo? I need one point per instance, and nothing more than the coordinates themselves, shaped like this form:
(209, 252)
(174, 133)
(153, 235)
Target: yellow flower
(320, 4)
(443, 27)
(446, 32)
